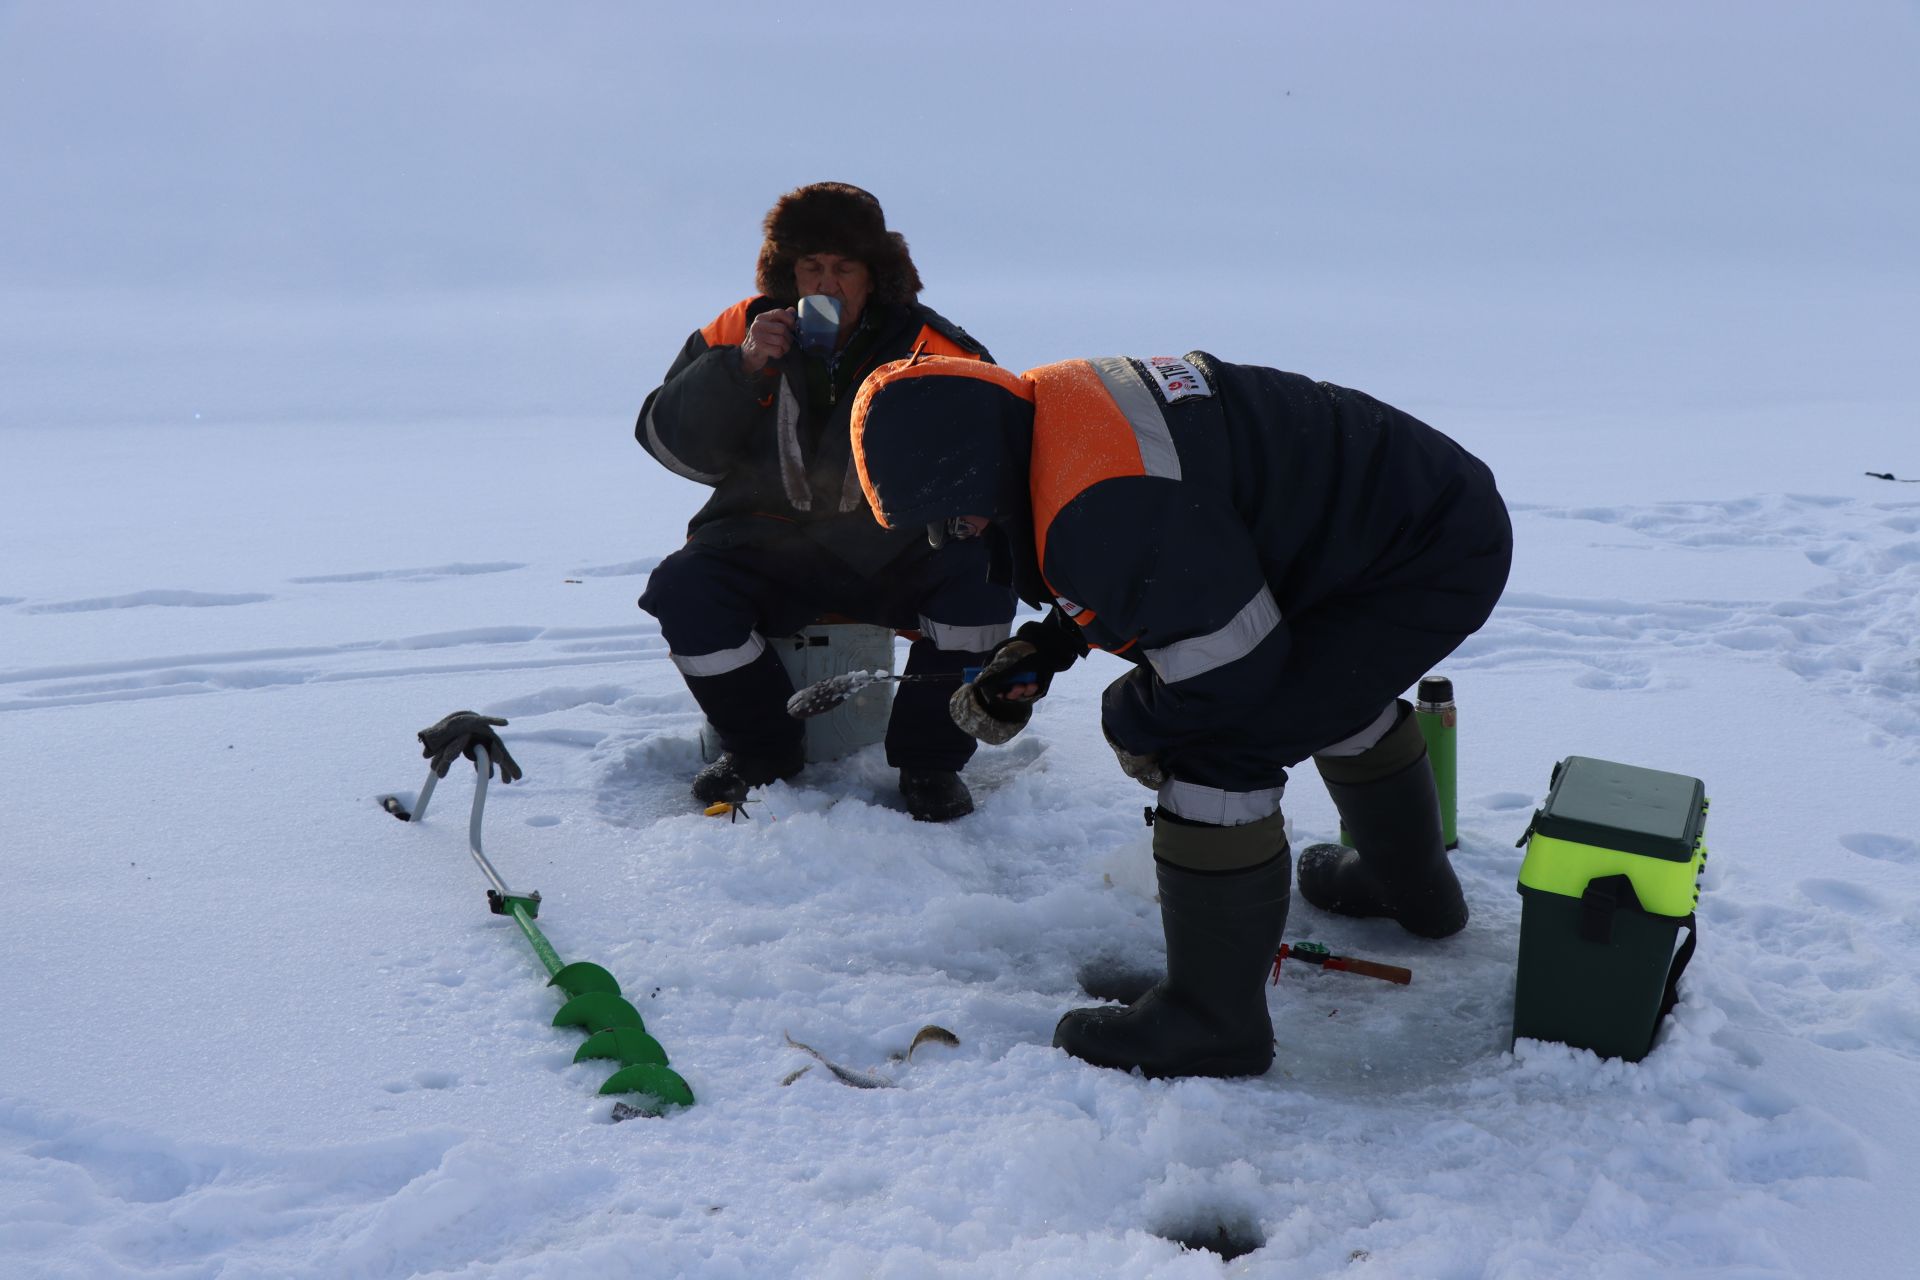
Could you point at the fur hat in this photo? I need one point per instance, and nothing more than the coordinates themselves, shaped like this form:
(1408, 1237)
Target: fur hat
(834, 217)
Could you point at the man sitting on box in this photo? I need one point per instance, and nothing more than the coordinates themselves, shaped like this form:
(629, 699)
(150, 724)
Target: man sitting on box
(756, 406)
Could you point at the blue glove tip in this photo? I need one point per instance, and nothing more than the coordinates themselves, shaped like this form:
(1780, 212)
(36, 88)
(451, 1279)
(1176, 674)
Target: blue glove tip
(971, 674)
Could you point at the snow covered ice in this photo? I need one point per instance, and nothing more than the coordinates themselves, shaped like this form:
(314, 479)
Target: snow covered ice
(321, 344)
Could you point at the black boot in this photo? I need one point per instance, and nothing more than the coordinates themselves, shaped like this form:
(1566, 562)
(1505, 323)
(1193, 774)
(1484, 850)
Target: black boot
(729, 778)
(1398, 867)
(935, 795)
(1208, 1016)
(760, 742)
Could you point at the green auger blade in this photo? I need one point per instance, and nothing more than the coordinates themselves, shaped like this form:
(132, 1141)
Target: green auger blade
(583, 976)
(662, 1085)
(597, 1011)
(629, 1046)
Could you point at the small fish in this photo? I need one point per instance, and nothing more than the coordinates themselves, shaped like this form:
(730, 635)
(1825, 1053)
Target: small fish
(931, 1034)
(825, 695)
(845, 1075)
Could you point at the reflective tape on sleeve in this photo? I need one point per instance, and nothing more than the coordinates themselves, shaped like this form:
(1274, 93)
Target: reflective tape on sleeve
(1197, 655)
(672, 461)
(1158, 456)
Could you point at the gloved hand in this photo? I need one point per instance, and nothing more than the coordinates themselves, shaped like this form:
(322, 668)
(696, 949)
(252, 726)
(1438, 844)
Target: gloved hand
(979, 706)
(982, 708)
(457, 735)
(1145, 770)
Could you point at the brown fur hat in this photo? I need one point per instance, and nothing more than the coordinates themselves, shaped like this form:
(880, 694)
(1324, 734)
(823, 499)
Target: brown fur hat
(834, 217)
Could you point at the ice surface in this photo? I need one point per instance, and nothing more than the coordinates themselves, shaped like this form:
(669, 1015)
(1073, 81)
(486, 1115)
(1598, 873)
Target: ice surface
(324, 339)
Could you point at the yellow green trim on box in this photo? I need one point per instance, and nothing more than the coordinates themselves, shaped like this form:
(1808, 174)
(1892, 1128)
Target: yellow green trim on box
(1564, 867)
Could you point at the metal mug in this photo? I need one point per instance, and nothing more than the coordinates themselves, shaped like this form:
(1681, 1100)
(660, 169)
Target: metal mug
(819, 323)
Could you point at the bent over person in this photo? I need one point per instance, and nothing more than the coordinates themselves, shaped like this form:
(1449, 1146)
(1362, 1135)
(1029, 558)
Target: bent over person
(1280, 559)
(757, 408)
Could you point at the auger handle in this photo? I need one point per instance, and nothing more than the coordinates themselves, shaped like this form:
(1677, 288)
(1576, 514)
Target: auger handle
(1371, 969)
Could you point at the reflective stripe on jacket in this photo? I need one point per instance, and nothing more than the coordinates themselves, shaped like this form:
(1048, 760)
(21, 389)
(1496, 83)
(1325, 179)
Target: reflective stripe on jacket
(1184, 508)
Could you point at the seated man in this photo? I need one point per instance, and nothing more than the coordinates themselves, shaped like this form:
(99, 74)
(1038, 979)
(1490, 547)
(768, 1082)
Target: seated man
(786, 536)
(1280, 558)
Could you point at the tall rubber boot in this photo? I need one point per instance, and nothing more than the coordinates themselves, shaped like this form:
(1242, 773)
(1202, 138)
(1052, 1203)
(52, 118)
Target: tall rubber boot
(748, 709)
(1223, 905)
(1398, 867)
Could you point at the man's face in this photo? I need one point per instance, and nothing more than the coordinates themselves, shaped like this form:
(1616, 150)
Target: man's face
(844, 278)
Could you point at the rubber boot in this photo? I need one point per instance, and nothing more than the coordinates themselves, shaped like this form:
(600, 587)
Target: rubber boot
(748, 709)
(1208, 1016)
(935, 795)
(728, 779)
(1398, 867)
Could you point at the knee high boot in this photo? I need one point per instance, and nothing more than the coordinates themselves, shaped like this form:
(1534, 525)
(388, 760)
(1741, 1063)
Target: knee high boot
(1398, 867)
(761, 742)
(1208, 1016)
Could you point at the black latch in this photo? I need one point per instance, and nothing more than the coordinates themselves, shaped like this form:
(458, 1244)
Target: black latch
(1527, 835)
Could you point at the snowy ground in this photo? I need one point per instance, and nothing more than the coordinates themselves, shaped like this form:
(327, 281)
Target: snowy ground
(256, 1027)
(321, 333)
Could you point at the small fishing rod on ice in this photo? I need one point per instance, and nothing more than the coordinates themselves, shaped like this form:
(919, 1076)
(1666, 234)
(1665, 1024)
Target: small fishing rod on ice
(824, 695)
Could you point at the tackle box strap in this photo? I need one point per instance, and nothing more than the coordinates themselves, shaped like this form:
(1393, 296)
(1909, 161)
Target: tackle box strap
(1680, 958)
(1608, 894)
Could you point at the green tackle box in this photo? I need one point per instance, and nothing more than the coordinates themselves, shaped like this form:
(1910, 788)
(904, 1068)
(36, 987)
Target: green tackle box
(1611, 877)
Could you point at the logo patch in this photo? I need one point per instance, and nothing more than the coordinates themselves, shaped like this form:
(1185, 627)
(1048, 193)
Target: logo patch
(1068, 607)
(1177, 379)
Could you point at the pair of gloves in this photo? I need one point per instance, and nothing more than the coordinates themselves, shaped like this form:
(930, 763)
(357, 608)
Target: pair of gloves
(981, 708)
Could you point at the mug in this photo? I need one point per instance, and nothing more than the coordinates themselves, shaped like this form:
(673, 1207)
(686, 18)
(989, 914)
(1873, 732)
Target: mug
(819, 323)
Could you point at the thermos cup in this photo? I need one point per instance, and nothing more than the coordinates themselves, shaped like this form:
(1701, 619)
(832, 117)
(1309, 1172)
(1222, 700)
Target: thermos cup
(819, 323)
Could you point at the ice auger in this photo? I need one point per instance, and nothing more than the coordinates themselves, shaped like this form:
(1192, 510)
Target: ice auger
(592, 996)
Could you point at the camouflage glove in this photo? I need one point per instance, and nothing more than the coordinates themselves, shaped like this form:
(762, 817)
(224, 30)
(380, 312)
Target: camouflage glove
(978, 707)
(457, 735)
(1145, 770)
(1046, 648)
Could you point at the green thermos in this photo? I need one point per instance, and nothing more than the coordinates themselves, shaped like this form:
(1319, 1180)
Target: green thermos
(1439, 719)
(1437, 716)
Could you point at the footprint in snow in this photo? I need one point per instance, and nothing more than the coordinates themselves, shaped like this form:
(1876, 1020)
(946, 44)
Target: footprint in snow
(1869, 844)
(1843, 895)
(423, 1080)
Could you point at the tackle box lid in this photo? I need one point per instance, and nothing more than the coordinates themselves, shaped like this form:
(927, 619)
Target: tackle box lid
(1625, 807)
